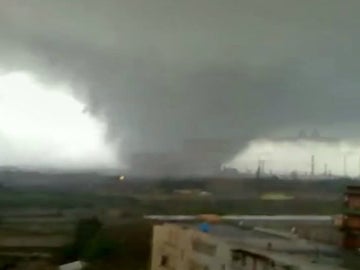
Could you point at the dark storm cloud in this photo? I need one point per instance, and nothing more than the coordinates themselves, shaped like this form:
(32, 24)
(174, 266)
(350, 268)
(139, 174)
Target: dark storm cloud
(163, 71)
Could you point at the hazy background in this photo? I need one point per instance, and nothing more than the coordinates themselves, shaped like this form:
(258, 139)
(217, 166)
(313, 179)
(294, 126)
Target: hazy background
(148, 75)
(294, 157)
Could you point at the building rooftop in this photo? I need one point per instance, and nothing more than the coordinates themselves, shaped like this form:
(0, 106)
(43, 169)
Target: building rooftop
(282, 247)
(260, 238)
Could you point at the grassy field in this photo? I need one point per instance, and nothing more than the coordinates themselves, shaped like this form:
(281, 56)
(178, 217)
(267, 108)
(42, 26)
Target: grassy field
(60, 200)
(138, 205)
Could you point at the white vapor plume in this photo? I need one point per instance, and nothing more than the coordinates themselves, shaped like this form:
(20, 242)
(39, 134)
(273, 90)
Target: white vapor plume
(51, 129)
(339, 158)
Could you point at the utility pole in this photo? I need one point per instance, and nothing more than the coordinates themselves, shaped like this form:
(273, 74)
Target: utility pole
(312, 165)
(258, 171)
(325, 169)
(345, 165)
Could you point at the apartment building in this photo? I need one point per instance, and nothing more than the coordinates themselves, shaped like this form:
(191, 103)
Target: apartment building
(225, 247)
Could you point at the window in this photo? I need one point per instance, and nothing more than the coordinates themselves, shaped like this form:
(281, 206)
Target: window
(164, 261)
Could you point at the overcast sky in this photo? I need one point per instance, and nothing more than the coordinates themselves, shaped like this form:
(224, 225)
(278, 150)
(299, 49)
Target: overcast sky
(156, 72)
